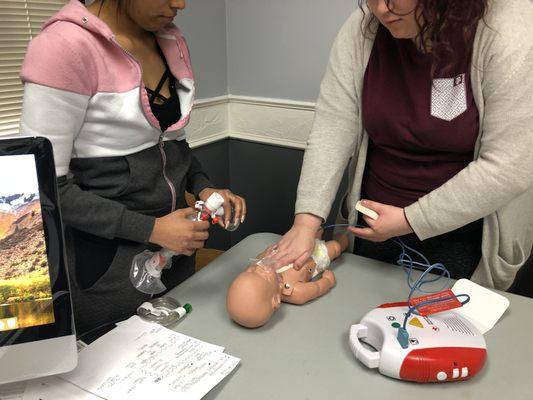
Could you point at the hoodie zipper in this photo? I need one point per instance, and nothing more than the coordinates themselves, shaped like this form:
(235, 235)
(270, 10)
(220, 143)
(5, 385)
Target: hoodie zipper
(160, 144)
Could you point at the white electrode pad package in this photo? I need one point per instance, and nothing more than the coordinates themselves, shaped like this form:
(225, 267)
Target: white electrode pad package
(485, 307)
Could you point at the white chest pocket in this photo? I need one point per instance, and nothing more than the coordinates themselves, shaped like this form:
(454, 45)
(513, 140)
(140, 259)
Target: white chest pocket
(448, 97)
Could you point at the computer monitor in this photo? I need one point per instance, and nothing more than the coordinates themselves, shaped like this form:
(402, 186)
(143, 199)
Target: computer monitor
(37, 335)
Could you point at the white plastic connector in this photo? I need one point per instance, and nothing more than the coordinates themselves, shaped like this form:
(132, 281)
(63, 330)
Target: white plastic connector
(214, 202)
(367, 211)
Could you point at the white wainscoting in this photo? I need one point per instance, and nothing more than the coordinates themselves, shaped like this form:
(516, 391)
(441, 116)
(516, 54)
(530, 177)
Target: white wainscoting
(271, 121)
(277, 122)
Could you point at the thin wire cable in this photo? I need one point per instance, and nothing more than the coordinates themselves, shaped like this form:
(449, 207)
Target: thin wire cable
(405, 260)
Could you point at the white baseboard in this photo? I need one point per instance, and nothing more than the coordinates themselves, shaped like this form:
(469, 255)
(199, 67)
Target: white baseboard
(277, 122)
(209, 121)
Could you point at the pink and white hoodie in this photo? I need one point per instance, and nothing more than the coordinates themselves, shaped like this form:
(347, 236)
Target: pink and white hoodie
(85, 93)
(117, 171)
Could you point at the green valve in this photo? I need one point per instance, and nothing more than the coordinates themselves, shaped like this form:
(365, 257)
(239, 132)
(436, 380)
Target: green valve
(188, 308)
(395, 325)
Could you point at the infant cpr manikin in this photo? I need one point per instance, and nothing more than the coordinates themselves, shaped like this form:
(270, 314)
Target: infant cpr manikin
(258, 291)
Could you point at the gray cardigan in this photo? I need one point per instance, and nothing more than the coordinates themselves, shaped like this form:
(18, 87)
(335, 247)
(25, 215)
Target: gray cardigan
(497, 186)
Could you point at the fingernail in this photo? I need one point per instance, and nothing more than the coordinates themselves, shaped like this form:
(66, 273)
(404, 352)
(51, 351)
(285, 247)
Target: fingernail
(242, 219)
(226, 225)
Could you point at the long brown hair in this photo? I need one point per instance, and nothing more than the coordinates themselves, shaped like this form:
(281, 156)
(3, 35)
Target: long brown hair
(436, 19)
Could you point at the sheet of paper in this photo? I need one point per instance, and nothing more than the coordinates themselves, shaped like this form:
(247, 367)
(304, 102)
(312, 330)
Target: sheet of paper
(136, 326)
(139, 360)
(54, 388)
(485, 307)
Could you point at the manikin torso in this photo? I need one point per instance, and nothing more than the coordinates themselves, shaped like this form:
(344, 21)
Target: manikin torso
(295, 282)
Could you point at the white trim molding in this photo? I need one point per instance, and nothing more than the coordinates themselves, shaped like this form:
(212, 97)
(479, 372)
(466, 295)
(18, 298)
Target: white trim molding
(277, 122)
(209, 121)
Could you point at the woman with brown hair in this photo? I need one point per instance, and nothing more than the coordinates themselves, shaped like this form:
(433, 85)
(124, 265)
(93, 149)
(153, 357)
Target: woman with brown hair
(432, 102)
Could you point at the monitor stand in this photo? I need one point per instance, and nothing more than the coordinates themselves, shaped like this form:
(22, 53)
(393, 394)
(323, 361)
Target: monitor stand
(19, 361)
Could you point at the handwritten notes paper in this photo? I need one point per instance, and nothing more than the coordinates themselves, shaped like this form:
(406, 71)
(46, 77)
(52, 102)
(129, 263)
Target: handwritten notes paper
(140, 360)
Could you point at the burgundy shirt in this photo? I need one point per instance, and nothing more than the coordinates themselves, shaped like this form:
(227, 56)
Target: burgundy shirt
(422, 132)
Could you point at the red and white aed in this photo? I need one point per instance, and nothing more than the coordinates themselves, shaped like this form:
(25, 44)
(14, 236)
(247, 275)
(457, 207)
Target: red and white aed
(443, 347)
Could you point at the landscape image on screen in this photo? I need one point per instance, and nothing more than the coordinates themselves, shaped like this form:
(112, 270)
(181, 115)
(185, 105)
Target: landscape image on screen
(25, 289)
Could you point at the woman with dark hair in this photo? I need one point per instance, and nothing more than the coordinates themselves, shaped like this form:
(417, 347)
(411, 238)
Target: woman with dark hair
(110, 84)
(432, 100)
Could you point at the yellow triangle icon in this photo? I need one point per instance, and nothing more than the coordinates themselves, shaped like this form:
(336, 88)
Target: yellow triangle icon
(416, 322)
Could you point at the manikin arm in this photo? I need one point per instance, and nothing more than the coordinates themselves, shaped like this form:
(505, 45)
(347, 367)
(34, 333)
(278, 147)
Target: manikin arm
(307, 291)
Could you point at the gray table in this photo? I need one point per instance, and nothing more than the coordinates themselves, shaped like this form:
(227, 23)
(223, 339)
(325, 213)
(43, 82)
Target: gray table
(303, 353)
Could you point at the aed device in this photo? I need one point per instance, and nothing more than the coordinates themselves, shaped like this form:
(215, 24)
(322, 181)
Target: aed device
(443, 347)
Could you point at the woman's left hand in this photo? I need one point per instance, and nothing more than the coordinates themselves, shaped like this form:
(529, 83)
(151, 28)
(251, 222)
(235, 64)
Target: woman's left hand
(391, 222)
(231, 200)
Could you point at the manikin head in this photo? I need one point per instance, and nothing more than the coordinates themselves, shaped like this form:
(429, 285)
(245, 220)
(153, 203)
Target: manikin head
(253, 296)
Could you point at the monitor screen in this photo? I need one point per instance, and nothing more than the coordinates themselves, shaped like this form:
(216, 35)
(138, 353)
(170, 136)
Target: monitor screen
(35, 300)
(37, 335)
(25, 285)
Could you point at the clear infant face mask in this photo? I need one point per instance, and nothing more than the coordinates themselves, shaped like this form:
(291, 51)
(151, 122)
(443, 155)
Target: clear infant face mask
(266, 266)
(145, 273)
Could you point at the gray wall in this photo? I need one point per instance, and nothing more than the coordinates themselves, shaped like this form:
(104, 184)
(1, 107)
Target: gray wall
(280, 48)
(266, 176)
(274, 48)
(260, 48)
(277, 49)
(204, 26)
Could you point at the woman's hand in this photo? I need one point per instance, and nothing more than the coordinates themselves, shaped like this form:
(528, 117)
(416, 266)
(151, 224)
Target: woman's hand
(298, 243)
(231, 200)
(177, 232)
(391, 222)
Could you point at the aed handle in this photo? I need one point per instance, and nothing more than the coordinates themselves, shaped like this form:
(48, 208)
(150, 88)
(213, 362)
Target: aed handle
(366, 356)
